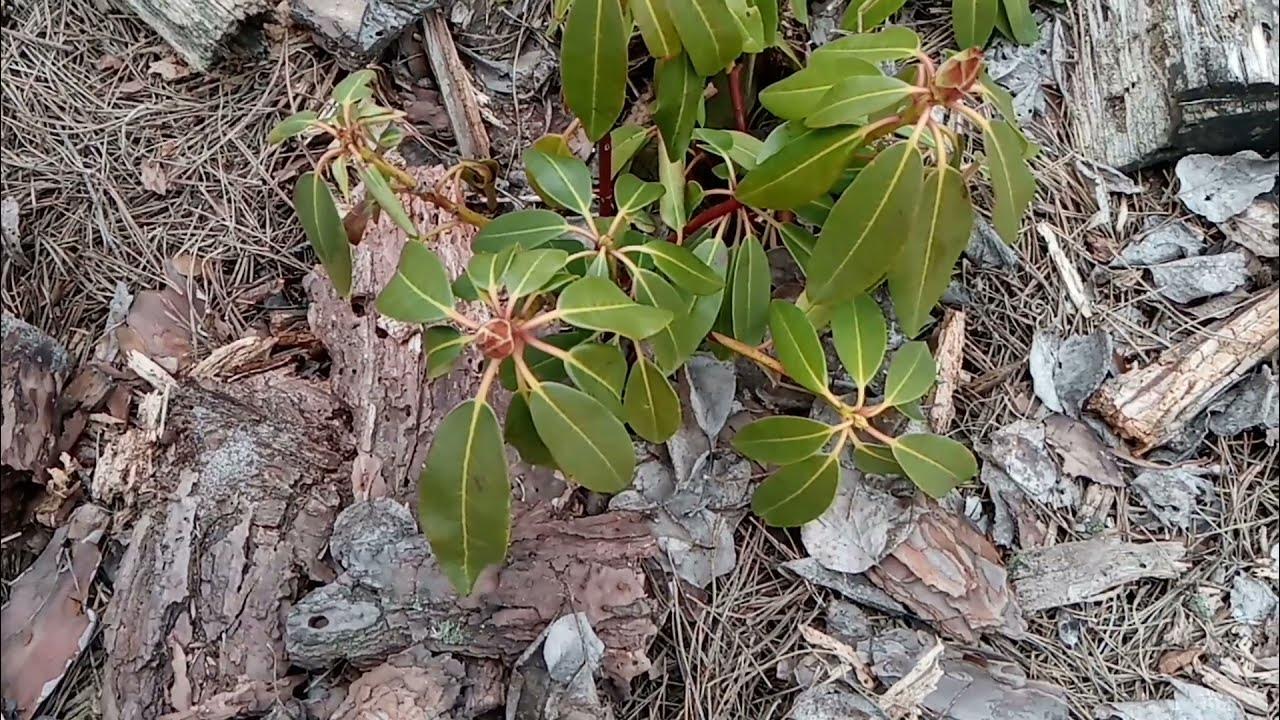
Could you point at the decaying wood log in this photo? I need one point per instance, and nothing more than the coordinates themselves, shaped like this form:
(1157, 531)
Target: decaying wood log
(33, 369)
(357, 31)
(232, 515)
(1152, 404)
(205, 31)
(393, 595)
(1082, 571)
(1160, 78)
(455, 88)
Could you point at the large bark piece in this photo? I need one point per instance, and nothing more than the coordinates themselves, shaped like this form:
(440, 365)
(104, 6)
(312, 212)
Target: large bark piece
(357, 31)
(205, 31)
(234, 509)
(1084, 571)
(1156, 79)
(33, 368)
(1152, 404)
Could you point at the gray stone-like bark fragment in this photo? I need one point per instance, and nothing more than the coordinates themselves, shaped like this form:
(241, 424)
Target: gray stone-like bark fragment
(356, 31)
(1201, 277)
(1190, 702)
(1218, 187)
(1253, 602)
(1065, 372)
(1254, 402)
(1177, 498)
(1161, 240)
(987, 249)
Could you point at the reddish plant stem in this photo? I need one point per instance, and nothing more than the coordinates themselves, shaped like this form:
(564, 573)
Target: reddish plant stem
(711, 214)
(604, 191)
(735, 95)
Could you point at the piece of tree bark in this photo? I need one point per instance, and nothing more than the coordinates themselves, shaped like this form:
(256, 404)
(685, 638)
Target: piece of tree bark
(1075, 572)
(455, 87)
(33, 370)
(1151, 404)
(1156, 79)
(205, 31)
(234, 508)
(357, 31)
(950, 357)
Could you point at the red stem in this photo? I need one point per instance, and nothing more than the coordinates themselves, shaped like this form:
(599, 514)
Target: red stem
(604, 191)
(735, 94)
(711, 214)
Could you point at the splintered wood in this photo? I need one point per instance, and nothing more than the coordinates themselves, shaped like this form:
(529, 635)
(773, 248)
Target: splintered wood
(1083, 571)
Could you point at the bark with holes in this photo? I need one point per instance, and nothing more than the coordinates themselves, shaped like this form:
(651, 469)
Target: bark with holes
(206, 31)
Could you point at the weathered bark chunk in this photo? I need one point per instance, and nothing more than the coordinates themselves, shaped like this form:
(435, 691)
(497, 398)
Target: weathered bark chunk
(205, 31)
(1082, 571)
(356, 31)
(33, 370)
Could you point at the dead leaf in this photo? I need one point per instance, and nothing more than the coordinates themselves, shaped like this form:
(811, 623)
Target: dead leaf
(131, 87)
(855, 587)
(712, 384)
(110, 62)
(1174, 661)
(1178, 498)
(1065, 372)
(1253, 402)
(1257, 229)
(169, 68)
(1020, 449)
(1253, 601)
(154, 177)
(555, 677)
(1081, 451)
(862, 525)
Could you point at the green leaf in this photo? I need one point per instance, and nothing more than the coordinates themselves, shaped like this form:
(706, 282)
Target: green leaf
(864, 15)
(653, 17)
(911, 374)
(677, 342)
(750, 292)
(354, 87)
(683, 267)
(801, 171)
(599, 371)
(799, 242)
(443, 344)
(627, 141)
(973, 21)
(876, 459)
(419, 292)
(593, 64)
(672, 207)
(1021, 23)
(745, 149)
(565, 181)
(380, 190)
(892, 43)
(750, 26)
(768, 10)
(464, 495)
(799, 94)
(798, 493)
(935, 464)
(782, 440)
(938, 237)
(860, 334)
(487, 270)
(523, 228)
(597, 304)
(853, 99)
(797, 346)
(800, 8)
(652, 407)
(338, 168)
(523, 436)
(530, 270)
(295, 124)
(911, 410)
(323, 225)
(652, 289)
(589, 444)
(679, 95)
(634, 194)
(866, 228)
(708, 32)
(1012, 183)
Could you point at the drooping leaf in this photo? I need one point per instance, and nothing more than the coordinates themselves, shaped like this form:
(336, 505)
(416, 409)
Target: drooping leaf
(973, 21)
(295, 124)
(679, 95)
(676, 343)
(782, 440)
(799, 242)
(593, 64)
(464, 495)
(354, 87)
(683, 267)
(867, 226)
(488, 270)
(443, 344)
(1012, 183)
(600, 371)
(799, 94)
(750, 26)
(863, 15)
(798, 493)
(380, 190)
(801, 171)
(800, 8)
(597, 304)
(652, 289)
(938, 237)
(672, 207)
(653, 17)
(891, 43)
(860, 334)
(797, 346)
(633, 194)
(565, 181)
(627, 140)
(912, 372)
(876, 459)
(1003, 101)
(530, 270)
(935, 464)
(745, 149)
(911, 410)
(750, 291)
(323, 225)
(588, 443)
(419, 292)
(708, 32)
(1021, 23)
(338, 168)
(853, 99)
(652, 407)
(523, 228)
(768, 10)
(523, 436)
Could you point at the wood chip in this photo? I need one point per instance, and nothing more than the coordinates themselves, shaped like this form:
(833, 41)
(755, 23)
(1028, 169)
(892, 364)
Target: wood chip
(950, 357)
(1084, 571)
(1070, 276)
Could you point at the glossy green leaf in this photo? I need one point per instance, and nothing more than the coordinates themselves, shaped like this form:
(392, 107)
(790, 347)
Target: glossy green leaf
(798, 493)
(380, 190)
(651, 405)
(488, 270)
(354, 87)
(323, 225)
(801, 171)
(708, 32)
(464, 495)
(419, 292)
(797, 346)
(633, 194)
(1012, 183)
(867, 226)
(683, 267)
(677, 342)
(973, 21)
(745, 149)
(892, 43)
(800, 8)
(523, 228)
(627, 140)
(590, 445)
(912, 372)
(565, 181)
(782, 440)
(750, 26)
(1003, 101)
(442, 344)
(861, 335)
(1021, 23)
(600, 371)
(750, 291)
(853, 99)
(652, 289)
(653, 17)
(523, 436)
(768, 10)
(936, 464)
(593, 64)
(679, 95)
(799, 242)
(294, 125)
(911, 410)
(799, 94)
(338, 168)
(597, 304)
(876, 459)
(672, 207)
(530, 270)
(863, 15)
(939, 235)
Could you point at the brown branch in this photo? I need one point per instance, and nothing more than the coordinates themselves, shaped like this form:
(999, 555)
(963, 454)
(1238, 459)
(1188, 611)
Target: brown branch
(604, 191)
(711, 214)
(735, 95)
